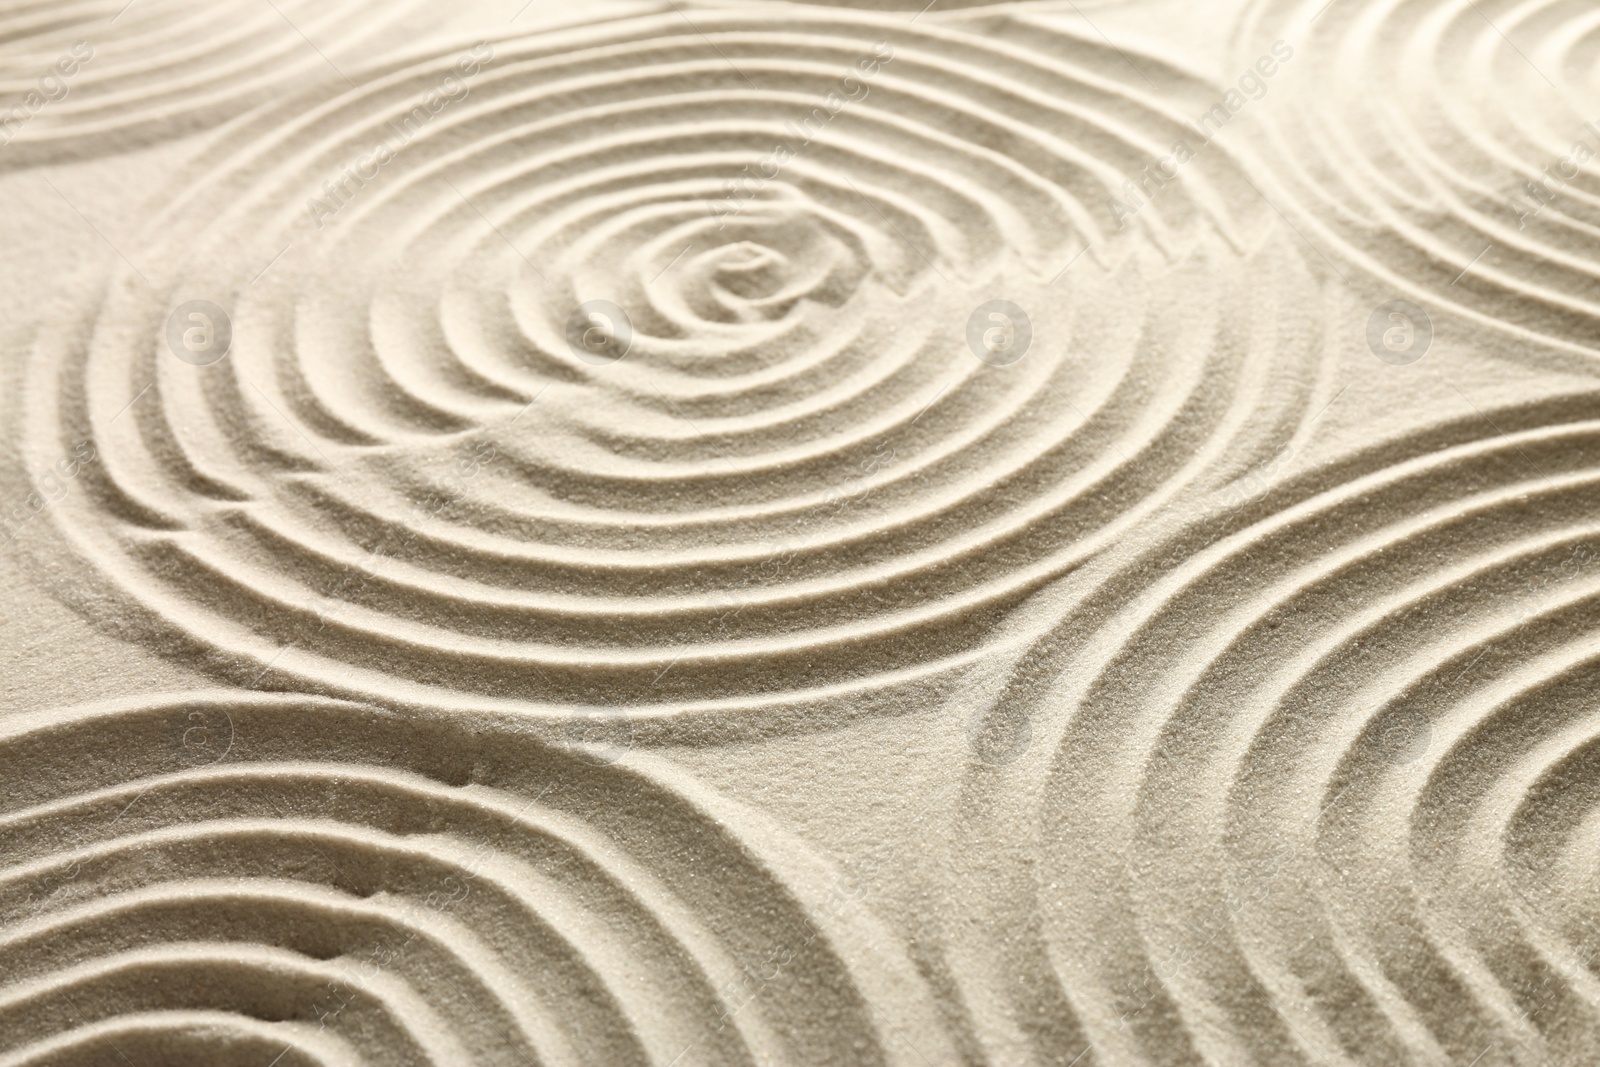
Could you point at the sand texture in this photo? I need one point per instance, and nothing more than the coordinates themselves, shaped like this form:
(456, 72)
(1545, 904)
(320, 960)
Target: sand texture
(751, 532)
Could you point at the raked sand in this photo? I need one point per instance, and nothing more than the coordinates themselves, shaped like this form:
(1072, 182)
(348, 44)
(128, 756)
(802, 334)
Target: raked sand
(758, 532)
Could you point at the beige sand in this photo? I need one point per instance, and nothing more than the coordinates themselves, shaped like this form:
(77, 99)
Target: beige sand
(753, 532)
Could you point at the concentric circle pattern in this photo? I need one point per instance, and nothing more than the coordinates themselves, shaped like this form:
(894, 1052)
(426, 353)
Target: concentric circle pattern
(1447, 148)
(210, 881)
(417, 479)
(923, 7)
(88, 77)
(1326, 791)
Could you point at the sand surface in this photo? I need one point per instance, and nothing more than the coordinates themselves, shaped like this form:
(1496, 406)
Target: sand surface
(747, 532)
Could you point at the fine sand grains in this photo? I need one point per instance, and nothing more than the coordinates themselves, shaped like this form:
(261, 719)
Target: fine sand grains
(758, 532)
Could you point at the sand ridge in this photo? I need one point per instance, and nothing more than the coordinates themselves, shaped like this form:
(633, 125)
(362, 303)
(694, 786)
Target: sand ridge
(103, 76)
(797, 461)
(760, 532)
(1451, 156)
(337, 868)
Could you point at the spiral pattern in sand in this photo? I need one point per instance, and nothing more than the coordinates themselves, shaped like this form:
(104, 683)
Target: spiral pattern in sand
(920, 8)
(1448, 149)
(88, 77)
(409, 481)
(1325, 791)
(207, 880)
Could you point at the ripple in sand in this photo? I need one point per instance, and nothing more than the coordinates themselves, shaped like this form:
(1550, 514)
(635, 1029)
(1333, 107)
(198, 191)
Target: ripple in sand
(781, 467)
(1325, 790)
(88, 77)
(923, 7)
(1447, 149)
(356, 887)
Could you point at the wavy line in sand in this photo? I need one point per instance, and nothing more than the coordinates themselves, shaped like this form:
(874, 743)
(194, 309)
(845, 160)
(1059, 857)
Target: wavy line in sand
(920, 8)
(92, 77)
(1325, 790)
(203, 878)
(404, 484)
(1432, 144)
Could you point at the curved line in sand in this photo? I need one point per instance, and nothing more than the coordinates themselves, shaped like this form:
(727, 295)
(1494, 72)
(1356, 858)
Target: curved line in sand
(1279, 832)
(340, 861)
(400, 485)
